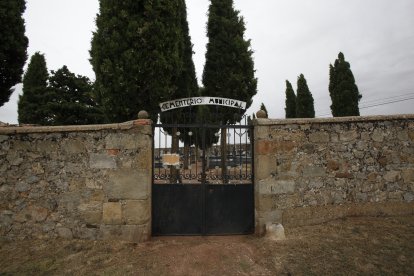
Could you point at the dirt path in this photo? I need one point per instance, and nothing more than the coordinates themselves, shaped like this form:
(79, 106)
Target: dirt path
(350, 246)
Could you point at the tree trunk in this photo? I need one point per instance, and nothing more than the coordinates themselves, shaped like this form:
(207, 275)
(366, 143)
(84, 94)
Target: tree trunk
(186, 154)
(175, 172)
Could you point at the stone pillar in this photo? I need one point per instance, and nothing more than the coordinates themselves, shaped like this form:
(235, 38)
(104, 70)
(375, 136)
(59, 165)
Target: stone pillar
(262, 171)
(127, 214)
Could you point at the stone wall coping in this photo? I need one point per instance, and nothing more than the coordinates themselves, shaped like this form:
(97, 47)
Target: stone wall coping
(75, 128)
(353, 119)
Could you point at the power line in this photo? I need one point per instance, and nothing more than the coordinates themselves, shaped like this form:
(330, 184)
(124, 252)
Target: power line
(390, 102)
(369, 101)
(374, 105)
(387, 98)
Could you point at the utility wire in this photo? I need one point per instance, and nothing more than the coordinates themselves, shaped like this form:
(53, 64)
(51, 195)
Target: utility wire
(390, 102)
(369, 101)
(364, 97)
(387, 98)
(374, 105)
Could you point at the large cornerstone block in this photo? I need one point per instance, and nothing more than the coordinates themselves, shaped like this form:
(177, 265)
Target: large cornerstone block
(136, 212)
(112, 213)
(274, 187)
(128, 184)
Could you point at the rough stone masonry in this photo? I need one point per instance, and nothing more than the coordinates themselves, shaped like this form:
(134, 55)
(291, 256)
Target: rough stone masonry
(94, 182)
(86, 182)
(309, 171)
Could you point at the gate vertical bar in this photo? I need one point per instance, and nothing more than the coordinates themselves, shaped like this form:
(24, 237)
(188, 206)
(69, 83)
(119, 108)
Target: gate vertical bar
(203, 179)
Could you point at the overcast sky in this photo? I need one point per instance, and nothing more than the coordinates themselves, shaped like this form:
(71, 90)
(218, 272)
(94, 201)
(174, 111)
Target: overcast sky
(288, 38)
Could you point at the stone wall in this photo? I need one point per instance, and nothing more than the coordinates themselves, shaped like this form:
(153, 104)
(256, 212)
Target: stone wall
(310, 171)
(94, 182)
(87, 182)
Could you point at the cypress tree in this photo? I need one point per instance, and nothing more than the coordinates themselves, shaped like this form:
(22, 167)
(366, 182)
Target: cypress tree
(34, 88)
(186, 81)
(290, 109)
(186, 86)
(229, 69)
(304, 100)
(13, 46)
(342, 89)
(69, 100)
(135, 56)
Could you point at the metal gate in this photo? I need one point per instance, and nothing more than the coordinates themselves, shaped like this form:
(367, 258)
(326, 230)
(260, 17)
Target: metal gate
(202, 179)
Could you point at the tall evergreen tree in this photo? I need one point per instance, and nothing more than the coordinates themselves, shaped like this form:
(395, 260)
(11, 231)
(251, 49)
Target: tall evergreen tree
(34, 89)
(136, 56)
(229, 69)
(186, 81)
(290, 109)
(342, 89)
(13, 46)
(304, 100)
(186, 86)
(69, 100)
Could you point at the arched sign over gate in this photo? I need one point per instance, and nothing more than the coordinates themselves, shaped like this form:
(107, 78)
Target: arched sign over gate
(187, 102)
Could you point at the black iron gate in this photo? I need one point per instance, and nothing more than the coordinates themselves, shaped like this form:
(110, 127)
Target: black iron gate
(202, 179)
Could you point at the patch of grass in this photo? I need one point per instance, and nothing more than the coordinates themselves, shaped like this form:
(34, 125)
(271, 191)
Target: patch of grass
(244, 266)
(38, 267)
